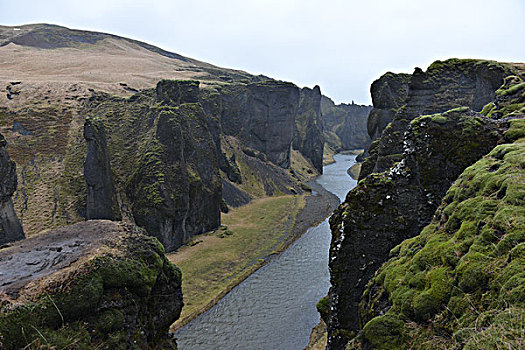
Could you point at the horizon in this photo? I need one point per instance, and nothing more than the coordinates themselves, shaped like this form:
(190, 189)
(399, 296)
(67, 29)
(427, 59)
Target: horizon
(277, 39)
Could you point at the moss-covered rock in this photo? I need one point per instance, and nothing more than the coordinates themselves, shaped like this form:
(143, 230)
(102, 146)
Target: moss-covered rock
(165, 160)
(96, 284)
(10, 228)
(482, 287)
(399, 98)
(424, 153)
(386, 208)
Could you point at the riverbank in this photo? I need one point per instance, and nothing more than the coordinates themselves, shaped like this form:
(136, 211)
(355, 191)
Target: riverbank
(216, 262)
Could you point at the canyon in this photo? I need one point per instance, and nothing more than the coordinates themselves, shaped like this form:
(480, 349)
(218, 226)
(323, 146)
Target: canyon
(116, 154)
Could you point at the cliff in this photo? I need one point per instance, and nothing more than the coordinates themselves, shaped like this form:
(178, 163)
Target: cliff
(10, 228)
(389, 93)
(164, 159)
(96, 284)
(262, 116)
(419, 156)
(101, 202)
(159, 154)
(345, 125)
(445, 85)
(308, 133)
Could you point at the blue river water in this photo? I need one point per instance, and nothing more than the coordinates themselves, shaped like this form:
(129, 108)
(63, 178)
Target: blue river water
(275, 308)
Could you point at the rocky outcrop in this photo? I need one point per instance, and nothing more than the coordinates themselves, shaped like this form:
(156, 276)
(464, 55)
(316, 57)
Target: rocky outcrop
(308, 134)
(445, 85)
(344, 125)
(459, 283)
(389, 93)
(10, 228)
(101, 200)
(389, 206)
(261, 115)
(95, 284)
(165, 160)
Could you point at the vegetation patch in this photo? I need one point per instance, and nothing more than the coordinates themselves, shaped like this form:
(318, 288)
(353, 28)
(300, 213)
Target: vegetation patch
(226, 257)
(462, 278)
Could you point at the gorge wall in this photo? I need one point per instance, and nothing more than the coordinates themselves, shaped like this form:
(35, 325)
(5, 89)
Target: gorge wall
(162, 157)
(433, 137)
(10, 228)
(308, 135)
(345, 125)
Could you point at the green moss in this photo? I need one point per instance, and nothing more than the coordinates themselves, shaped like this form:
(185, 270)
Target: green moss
(386, 333)
(323, 307)
(516, 130)
(468, 261)
(110, 321)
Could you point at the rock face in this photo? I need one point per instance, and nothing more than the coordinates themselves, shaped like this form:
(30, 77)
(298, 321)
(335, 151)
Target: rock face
(391, 205)
(308, 135)
(95, 284)
(344, 125)
(10, 228)
(261, 115)
(101, 201)
(165, 160)
(389, 93)
(458, 284)
(445, 85)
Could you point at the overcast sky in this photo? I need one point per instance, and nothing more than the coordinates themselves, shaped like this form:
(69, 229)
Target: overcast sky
(340, 45)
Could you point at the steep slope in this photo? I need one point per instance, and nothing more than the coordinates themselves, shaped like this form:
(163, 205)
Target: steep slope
(427, 154)
(43, 53)
(170, 148)
(308, 135)
(445, 85)
(344, 125)
(10, 228)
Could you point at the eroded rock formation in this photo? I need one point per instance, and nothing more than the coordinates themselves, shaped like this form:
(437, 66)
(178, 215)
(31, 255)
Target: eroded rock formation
(418, 157)
(10, 228)
(95, 284)
(165, 160)
(262, 115)
(445, 85)
(101, 202)
(308, 134)
(344, 125)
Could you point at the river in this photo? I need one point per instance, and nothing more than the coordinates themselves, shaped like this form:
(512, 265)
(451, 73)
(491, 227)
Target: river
(275, 308)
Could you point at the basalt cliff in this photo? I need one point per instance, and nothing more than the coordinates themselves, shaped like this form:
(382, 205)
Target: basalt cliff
(116, 151)
(345, 125)
(425, 251)
(166, 149)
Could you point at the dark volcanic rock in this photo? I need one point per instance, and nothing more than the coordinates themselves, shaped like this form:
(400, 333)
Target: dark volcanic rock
(386, 208)
(10, 228)
(176, 94)
(388, 94)
(419, 157)
(308, 135)
(344, 125)
(165, 160)
(95, 284)
(262, 115)
(101, 199)
(445, 85)
(233, 196)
